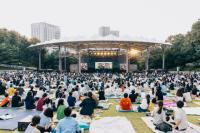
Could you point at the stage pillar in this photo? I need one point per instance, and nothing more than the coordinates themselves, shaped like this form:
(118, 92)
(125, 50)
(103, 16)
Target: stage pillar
(60, 60)
(65, 59)
(147, 59)
(79, 61)
(163, 57)
(39, 60)
(127, 61)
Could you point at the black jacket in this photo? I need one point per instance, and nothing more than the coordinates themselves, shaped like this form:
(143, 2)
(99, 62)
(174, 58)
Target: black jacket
(88, 105)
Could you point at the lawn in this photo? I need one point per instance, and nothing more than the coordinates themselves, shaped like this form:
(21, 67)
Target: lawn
(134, 118)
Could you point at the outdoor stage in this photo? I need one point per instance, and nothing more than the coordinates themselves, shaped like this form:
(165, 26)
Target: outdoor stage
(102, 54)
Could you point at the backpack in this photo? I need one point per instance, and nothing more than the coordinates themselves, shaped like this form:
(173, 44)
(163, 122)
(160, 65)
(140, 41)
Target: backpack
(165, 127)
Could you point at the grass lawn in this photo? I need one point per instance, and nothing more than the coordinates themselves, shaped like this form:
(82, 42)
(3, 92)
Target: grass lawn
(134, 118)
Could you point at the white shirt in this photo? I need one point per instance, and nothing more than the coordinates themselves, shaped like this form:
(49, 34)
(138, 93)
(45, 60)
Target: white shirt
(181, 115)
(39, 93)
(31, 129)
(187, 97)
(144, 104)
(158, 118)
(76, 95)
(177, 98)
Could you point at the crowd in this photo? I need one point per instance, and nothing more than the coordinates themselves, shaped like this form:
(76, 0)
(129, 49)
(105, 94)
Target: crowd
(60, 93)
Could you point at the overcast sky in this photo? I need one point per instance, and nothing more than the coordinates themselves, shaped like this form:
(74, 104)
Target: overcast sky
(147, 18)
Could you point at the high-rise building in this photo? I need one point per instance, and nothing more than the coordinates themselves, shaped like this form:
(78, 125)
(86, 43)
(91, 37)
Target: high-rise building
(114, 33)
(44, 31)
(104, 31)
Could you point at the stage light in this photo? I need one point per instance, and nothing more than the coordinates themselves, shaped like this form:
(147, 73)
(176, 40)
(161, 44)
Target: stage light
(133, 52)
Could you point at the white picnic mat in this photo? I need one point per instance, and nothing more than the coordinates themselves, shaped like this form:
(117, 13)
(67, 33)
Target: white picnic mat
(192, 110)
(111, 125)
(191, 129)
(198, 103)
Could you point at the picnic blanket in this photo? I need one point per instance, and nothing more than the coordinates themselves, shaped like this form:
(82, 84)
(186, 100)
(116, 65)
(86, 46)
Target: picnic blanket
(169, 104)
(191, 129)
(198, 103)
(104, 106)
(11, 124)
(113, 97)
(190, 110)
(134, 109)
(111, 125)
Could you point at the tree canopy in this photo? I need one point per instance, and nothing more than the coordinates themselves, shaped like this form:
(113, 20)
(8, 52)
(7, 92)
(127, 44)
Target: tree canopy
(185, 49)
(14, 51)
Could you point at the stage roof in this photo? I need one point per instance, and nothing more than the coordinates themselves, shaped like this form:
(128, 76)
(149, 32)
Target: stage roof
(124, 42)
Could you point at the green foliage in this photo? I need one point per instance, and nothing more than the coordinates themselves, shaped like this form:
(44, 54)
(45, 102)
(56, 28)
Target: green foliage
(185, 49)
(14, 51)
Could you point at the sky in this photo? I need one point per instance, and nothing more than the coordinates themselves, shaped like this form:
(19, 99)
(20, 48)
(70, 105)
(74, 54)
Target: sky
(156, 19)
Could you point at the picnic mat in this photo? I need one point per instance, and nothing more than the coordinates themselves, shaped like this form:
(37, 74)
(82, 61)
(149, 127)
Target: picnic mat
(111, 125)
(11, 124)
(198, 103)
(191, 129)
(169, 104)
(104, 106)
(134, 109)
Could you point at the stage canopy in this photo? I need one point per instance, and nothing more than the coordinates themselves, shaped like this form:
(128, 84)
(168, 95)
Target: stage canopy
(98, 42)
(110, 41)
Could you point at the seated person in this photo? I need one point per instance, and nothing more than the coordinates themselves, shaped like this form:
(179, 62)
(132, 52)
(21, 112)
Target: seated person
(16, 100)
(159, 114)
(159, 94)
(5, 102)
(181, 122)
(125, 103)
(71, 100)
(164, 89)
(47, 103)
(194, 91)
(152, 105)
(179, 95)
(71, 127)
(39, 93)
(32, 128)
(61, 96)
(29, 101)
(144, 104)
(60, 109)
(88, 105)
(20, 89)
(133, 96)
(11, 90)
(187, 97)
(46, 122)
(2, 88)
(40, 102)
(102, 94)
